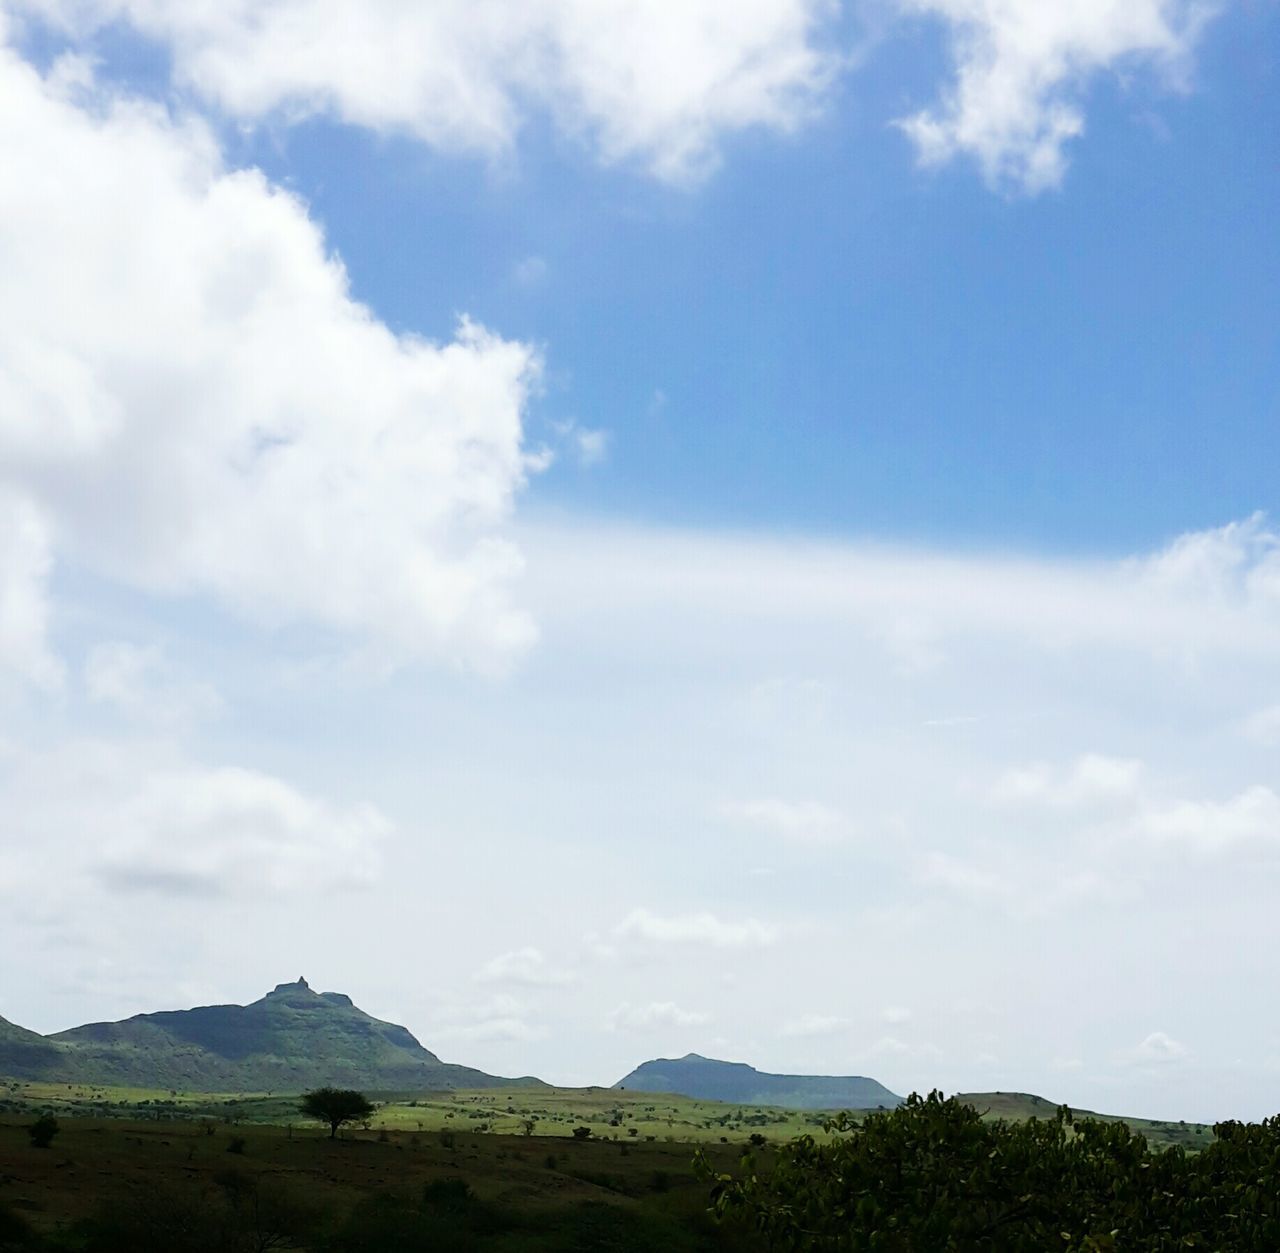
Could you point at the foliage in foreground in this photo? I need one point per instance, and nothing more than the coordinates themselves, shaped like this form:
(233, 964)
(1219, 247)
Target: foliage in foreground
(933, 1175)
(240, 1214)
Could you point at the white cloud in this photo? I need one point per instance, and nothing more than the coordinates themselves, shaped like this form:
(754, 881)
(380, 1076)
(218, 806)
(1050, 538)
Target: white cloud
(699, 928)
(1023, 68)
(813, 1025)
(192, 402)
(654, 1016)
(25, 561)
(141, 819)
(805, 822)
(593, 445)
(650, 82)
(589, 446)
(895, 1014)
(1065, 1065)
(1250, 818)
(527, 966)
(964, 879)
(1092, 780)
(501, 1019)
(1150, 606)
(530, 272)
(1228, 565)
(140, 683)
(1158, 1049)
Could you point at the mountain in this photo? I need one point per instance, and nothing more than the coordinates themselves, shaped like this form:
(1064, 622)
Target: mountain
(736, 1082)
(291, 1040)
(22, 1050)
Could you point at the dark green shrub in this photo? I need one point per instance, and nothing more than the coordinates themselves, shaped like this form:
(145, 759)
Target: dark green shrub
(932, 1175)
(43, 1130)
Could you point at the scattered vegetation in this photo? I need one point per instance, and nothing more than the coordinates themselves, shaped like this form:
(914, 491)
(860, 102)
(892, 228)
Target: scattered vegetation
(934, 1174)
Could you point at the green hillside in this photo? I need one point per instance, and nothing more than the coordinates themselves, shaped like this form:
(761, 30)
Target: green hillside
(290, 1040)
(1019, 1106)
(711, 1080)
(23, 1053)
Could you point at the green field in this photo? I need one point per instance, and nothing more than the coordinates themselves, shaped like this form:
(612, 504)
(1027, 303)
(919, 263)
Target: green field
(609, 1113)
(532, 1182)
(539, 1191)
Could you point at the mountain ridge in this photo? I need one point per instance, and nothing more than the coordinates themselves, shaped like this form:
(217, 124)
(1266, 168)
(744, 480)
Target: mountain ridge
(291, 1039)
(710, 1079)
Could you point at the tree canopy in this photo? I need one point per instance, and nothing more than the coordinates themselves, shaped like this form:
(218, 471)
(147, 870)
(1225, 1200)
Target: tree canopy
(336, 1106)
(934, 1175)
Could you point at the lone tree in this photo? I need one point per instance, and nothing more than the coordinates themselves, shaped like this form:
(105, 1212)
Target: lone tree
(336, 1106)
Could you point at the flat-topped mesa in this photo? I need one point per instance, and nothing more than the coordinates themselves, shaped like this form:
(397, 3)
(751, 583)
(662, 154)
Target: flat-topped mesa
(707, 1078)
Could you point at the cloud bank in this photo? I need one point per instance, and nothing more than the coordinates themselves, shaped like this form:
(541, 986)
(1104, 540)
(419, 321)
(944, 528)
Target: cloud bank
(192, 403)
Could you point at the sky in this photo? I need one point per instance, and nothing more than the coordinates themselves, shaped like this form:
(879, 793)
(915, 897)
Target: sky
(605, 529)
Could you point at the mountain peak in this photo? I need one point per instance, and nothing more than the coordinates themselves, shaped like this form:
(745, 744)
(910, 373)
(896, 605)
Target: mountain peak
(301, 985)
(291, 1040)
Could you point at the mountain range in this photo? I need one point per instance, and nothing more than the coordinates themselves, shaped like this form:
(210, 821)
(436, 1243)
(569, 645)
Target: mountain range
(710, 1080)
(294, 1039)
(290, 1040)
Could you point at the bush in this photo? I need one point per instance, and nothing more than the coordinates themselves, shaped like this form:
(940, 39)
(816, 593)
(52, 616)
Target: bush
(43, 1130)
(932, 1175)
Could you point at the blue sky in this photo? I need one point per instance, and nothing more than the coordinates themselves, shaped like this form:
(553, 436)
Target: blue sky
(739, 529)
(842, 343)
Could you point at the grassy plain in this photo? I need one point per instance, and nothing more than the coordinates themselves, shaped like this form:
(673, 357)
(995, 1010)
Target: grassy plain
(516, 1149)
(609, 1113)
(547, 1188)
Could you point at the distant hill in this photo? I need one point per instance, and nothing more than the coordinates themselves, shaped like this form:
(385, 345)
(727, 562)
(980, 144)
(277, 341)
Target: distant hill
(291, 1040)
(1019, 1106)
(710, 1080)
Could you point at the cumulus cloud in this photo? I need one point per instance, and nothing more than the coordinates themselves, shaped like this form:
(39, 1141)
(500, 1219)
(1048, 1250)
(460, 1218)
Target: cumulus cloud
(655, 83)
(699, 928)
(527, 966)
(654, 1016)
(137, 819)
(192, 402)
(1092, 780)
(805, 822)
(1022, 68)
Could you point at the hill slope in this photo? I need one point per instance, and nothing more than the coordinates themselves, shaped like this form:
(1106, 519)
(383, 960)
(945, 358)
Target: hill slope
(290, 1040)
(710, 1080)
